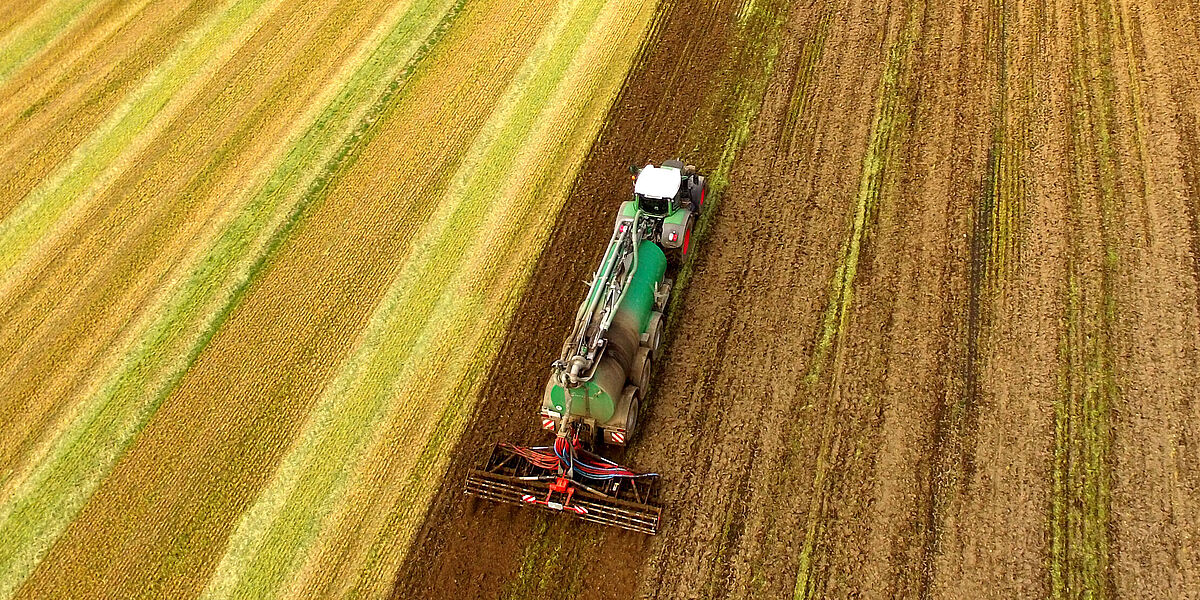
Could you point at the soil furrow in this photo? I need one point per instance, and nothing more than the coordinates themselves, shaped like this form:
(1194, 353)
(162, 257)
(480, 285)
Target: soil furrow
(1189, 134)
(992, 243)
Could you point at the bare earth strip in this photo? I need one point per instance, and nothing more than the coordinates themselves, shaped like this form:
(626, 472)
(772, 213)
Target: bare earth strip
(1155, 429)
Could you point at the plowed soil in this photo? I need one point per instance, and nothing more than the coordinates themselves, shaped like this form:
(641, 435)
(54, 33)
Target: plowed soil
(943, 336)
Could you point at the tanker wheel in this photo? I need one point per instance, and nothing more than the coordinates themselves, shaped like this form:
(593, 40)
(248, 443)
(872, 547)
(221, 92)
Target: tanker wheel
(631, 395)
(631, 421)
(639, 375)
(654, 333)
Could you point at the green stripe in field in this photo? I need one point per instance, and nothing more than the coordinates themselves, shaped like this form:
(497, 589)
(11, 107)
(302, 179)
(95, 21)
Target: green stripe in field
(129, 127)
(870, 188)
(432, 303)
(42, 505)
(27, 40)
(888, 124)
(1081, 506)
(999, 211)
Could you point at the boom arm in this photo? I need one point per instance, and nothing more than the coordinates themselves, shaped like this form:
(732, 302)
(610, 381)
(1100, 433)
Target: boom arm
(584, 348)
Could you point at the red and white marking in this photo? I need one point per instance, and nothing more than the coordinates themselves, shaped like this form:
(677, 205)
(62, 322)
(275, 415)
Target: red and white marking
(618, 437)
(548, 423)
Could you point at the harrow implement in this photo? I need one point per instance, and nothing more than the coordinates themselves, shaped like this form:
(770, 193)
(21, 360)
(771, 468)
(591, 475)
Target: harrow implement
(592, 489)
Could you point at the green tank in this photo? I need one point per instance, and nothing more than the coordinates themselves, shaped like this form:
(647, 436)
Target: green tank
(598, 398)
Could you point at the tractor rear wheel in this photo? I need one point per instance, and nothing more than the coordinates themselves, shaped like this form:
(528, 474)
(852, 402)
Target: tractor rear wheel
(697, 193)
(676, 256)
(687, 237)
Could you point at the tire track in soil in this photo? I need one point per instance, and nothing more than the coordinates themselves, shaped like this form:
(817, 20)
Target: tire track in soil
(993, 247)
(1185, 127)
(995, 473)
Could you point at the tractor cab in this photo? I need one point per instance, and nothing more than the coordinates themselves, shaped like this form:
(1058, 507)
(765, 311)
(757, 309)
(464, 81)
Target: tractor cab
(671, 195)
(657, 189)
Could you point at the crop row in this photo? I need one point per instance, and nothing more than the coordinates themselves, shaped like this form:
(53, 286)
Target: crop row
(878, 166)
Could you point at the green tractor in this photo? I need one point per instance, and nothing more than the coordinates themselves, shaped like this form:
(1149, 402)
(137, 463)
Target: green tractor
(594, 394)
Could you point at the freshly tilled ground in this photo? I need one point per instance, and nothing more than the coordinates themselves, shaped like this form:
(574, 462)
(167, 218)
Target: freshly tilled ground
(942, 335)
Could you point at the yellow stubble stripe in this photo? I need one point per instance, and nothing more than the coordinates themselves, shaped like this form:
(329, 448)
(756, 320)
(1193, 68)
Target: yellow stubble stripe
(357, 89)
(30, 86)
(36, 33)
(131, 127)
(256, 210)
(505, 200)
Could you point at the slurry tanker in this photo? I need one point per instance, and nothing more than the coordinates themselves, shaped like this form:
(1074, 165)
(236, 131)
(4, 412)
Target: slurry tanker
(596, 389)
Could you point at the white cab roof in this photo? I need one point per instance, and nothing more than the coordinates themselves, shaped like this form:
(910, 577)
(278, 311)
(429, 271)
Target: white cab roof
(657, 182)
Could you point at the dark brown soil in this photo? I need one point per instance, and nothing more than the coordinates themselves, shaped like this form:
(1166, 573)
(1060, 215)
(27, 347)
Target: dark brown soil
(942, 336)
